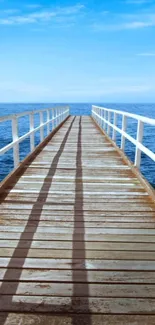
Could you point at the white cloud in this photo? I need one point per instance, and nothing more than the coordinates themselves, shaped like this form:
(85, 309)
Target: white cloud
(119, 27)
(138, 2)
(126, 22)
(128, 89)
(91, 90)
(138, 24)
(107, 90)
(34, 6)
(105, 12)
(71, 10)
(24, 87)
(146, 54)
(10, 11)
(41, 16)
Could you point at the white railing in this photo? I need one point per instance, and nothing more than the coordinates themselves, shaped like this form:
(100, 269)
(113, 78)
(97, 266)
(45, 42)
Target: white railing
(54, 116)
(103, 117)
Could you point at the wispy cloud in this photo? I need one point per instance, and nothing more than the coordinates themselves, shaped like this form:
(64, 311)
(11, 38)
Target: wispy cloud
(10, 11)
(105, 12)
(146, 54)
(33, 6)
(119, 27)
(138, 24)
(100, 91)
(138, 2)
(71, 10)
(126, 22)
(41, 15)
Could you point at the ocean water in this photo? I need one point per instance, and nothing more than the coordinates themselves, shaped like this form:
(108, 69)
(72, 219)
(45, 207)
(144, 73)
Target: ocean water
(6, 161)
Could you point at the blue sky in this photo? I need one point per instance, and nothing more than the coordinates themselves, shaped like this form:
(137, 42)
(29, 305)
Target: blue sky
(68, 51)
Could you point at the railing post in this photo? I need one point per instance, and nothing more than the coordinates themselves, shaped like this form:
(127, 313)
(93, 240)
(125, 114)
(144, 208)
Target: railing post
(59, 113)
(56, 117)
(140, 131)
(105, 120)
(65, 115)
(96, 117)
(32, 129)
(123, 129)
(51, 117)
(15, 138)
(41, 129)
(60, 118)
(115, 124)
(68, 112)
(101, 119)
(92, 111)
(48, 120)
(99, 116)
(53, 121)
(109, 116)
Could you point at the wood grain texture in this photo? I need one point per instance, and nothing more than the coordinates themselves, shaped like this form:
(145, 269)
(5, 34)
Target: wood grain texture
(77, 236)
(36, 319)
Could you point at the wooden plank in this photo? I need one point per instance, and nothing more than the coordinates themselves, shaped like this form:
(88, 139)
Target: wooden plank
(78, 305)
(87, 237)
(6, 219)
(86, 207)
(63, 276)
(38, 319)
(89, 254)
(70, 178)
(132, 201)
(68, 245)
(70, 231)
(90, 264)
(67, 289)
(67, 224)
(71, 214)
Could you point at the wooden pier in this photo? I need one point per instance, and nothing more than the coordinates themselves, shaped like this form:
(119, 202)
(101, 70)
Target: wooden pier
(77, 234)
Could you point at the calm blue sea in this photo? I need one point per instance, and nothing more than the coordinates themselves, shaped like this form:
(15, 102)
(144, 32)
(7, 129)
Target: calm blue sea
(6, 161)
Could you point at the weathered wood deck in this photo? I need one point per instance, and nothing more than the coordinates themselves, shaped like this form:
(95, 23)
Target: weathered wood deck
(77, 236)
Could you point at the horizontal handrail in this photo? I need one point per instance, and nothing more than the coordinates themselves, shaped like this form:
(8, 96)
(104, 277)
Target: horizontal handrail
(142, 118)
(100, 115)
(17, 115)
(59, 114)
